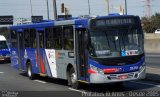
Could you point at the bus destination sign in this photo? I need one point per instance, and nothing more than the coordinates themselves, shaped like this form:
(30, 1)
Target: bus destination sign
(113, 21)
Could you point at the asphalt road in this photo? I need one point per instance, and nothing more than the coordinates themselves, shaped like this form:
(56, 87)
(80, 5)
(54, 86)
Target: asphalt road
(13, 82)
(152, 60)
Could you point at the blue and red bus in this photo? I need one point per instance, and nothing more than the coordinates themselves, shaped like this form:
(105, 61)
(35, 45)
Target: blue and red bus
(102, 49)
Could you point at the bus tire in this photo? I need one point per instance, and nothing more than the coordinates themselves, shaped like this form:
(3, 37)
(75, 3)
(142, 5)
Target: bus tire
(73, 79)
(29, 71)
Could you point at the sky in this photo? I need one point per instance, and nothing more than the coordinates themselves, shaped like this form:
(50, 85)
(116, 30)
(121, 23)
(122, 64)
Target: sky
(22, 8)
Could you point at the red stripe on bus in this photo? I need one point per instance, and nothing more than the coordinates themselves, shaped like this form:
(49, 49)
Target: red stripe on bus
(42, 66)
(110, 70)
(90, 71)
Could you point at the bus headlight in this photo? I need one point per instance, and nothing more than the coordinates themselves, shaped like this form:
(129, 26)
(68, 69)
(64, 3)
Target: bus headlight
(96, 69)
(142, 66)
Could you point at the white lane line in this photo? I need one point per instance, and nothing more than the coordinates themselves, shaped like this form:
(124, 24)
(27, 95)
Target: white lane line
(1, 72)
(40, 81)
(146, 84)
(76, 90)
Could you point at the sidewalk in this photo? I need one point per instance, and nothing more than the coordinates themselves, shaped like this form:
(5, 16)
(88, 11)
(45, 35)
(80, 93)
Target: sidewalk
(153, 74)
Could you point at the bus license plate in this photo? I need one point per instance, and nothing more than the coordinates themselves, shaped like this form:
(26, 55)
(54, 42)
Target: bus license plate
(122, 77)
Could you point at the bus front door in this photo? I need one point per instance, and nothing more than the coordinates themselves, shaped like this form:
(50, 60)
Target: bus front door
(81, 55)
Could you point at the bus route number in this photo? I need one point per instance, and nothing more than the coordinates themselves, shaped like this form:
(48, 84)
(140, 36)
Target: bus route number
(133, 68)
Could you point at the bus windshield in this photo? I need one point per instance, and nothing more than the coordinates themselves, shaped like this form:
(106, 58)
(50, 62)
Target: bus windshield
(3, 45)
(115, 43)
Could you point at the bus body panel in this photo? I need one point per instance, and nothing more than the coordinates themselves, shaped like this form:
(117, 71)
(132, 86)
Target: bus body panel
(30, 55)
(55, 62)
(14, 58)
(62, 61)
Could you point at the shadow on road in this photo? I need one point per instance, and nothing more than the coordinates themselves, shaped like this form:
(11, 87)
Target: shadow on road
(48, 80)
(4, 62)
(103, 88)
(153, 77)
(99, 88)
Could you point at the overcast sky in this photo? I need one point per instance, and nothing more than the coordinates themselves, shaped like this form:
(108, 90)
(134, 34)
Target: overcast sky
(22, 8)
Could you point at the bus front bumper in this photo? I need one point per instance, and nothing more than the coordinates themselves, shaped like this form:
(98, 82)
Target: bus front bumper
(2, 58)
(111, 78)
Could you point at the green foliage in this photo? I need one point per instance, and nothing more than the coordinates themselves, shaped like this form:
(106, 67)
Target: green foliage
(151, 24)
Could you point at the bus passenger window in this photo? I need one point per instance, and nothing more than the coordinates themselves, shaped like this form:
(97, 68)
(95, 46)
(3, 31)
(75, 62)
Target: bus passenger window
(68, 38)
(34, 43)
(30, 38)
(57, 37)
(68, 44)
(41, 40)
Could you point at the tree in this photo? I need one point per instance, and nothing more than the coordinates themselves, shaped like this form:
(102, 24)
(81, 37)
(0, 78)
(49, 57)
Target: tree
(151, 24)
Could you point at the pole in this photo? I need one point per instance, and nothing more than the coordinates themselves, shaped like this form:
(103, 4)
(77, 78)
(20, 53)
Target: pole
(126, 7)
(107, 6)
(31, 8)
(47, 10)
(55, 9)
(89, 7)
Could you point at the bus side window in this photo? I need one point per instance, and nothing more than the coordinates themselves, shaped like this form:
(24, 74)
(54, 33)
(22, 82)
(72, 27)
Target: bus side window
(26, 37)
(34, 43)
(57, 37)
(13, 39)
(49, 38)
(68, 37)
(30, 38)
(53, 37)
(33, 38)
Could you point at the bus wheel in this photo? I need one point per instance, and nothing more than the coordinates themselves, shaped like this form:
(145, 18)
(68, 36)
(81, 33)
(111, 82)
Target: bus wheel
(29, 71)
(73, 79)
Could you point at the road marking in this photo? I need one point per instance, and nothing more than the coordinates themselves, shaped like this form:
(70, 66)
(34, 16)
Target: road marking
(1, 72)
(76, 90)
(146, 84)
(40, 81)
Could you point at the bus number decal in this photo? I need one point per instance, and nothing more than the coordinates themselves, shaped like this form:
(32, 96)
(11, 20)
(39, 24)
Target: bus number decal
(133, 68)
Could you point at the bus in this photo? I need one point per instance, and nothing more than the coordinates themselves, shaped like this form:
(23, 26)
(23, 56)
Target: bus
(4, 50)
(93, 50)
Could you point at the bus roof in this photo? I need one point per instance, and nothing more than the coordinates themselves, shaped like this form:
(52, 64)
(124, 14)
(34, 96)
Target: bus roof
(114, 16)
(79, 23)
